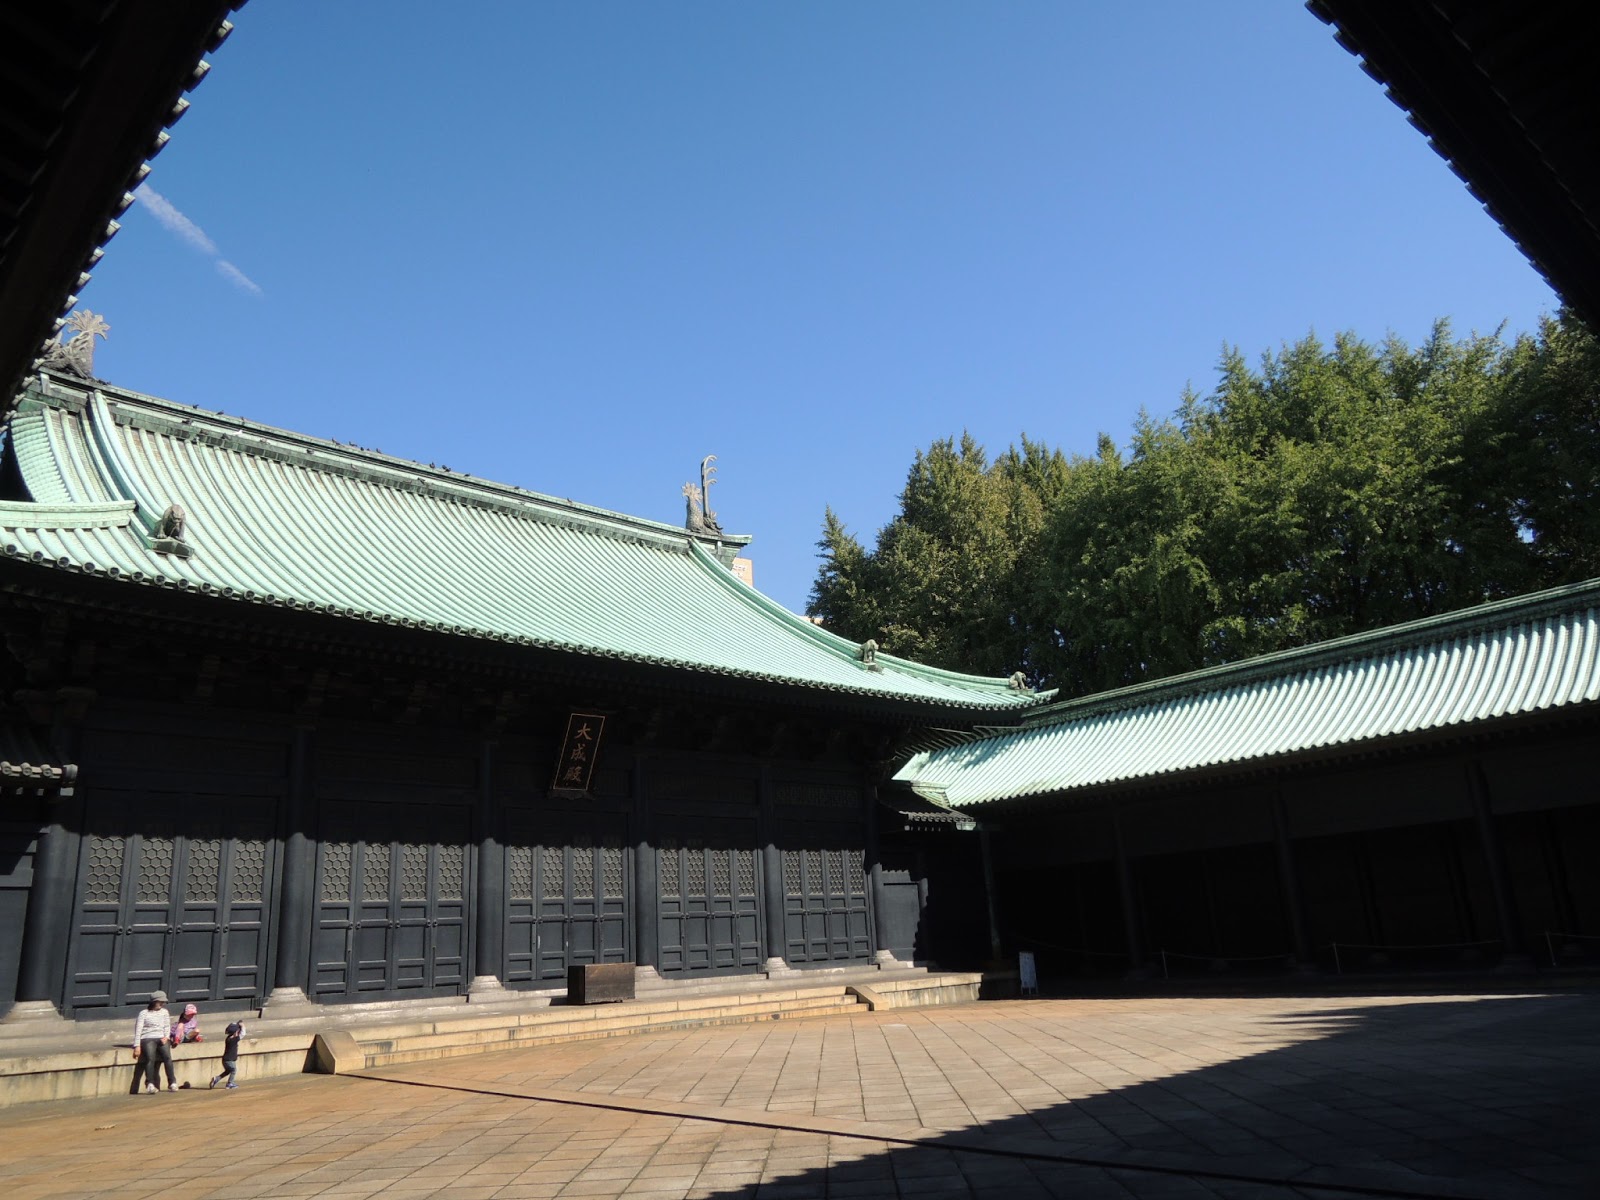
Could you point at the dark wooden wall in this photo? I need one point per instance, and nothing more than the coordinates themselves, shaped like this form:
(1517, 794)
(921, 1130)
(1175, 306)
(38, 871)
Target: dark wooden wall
(1389, 858)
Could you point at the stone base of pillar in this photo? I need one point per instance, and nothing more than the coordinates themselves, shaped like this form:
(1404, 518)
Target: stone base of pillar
(27, 1015)
(888, 962)
(776, 968)
(484, 988)
(288, 1002)
(1142, 971)
(1304, 967)
(645, 978)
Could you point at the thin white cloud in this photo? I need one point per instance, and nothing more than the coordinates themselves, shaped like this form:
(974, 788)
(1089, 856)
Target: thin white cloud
(185, 230)
(235, 276)
(174, 221)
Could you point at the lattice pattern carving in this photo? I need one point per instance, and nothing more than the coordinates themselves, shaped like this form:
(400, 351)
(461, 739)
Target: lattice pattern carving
(793, 885)
(336, 859)
(670, 868)
(154, 885)
(519, 872)
(452, 872)
(413, 872)
(745, 861)
(611, 867)
(694, 869)
(721, 874)
(858, 872)
(249, 870)
(104, 882)
(201, 871)
(375, 872)
(833, 871)
(583, 867)
(552, 873)
(814, 869)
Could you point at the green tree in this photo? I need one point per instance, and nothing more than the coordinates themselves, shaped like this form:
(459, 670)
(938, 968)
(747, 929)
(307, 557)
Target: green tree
(938, 584)
(1324, 491)
(1541, 449)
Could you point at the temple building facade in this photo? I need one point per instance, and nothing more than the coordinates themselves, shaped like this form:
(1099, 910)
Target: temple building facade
(292, 723)
(1421, 797)
(289, 722)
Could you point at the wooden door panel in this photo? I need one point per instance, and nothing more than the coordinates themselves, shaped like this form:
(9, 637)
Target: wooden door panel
(160, 893)
(572, 869)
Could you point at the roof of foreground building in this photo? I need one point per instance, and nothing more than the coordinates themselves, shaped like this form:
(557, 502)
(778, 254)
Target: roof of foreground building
(1508, 96)
(1451, 674)
(87, 88)
(268, 517)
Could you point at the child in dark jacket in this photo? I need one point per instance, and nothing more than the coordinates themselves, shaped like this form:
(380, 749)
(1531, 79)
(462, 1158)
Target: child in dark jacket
(230, 1056)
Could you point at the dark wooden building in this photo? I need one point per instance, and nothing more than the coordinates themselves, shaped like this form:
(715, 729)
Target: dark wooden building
(306, 723)
(1420, 796)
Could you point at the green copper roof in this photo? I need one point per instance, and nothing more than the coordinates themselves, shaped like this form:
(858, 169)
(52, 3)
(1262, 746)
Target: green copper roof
(278, 518)
(1510, 658)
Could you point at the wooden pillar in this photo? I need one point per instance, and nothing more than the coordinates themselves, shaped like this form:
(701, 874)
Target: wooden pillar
(1130, 911)
(772, 881)
(489, 919)
(296, 899)
(991, 903)
(47, 927)
(1505, 901)
(1289, 884)
(646, 885)
(881, 952)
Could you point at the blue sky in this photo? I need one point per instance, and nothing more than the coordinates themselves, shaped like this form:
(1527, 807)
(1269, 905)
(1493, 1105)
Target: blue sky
(579, 247)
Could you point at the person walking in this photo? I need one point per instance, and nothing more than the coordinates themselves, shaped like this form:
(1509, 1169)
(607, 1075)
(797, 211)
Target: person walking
(150, 1046)
(230, 1055)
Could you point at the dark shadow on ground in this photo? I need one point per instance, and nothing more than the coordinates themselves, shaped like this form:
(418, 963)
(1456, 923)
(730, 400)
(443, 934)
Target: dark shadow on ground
(1491, 1097)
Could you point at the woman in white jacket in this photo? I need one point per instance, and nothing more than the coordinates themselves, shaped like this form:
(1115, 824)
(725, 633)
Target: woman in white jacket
(150, 1047)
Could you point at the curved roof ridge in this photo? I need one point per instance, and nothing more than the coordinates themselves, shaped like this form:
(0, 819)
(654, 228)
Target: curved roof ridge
(187, 422)
(117, 514)
(841, 647)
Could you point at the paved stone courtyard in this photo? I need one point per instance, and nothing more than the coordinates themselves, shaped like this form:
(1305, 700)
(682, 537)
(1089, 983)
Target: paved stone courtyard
(1460, 1096)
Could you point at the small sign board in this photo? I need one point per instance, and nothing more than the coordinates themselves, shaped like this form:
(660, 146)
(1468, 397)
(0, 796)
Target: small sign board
(580, 750)
(1027, 973)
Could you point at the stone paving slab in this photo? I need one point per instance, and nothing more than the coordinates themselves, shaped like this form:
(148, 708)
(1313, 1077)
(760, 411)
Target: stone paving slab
(1240, 1098)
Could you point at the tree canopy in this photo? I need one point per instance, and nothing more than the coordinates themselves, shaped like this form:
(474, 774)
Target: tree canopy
(1325, 490)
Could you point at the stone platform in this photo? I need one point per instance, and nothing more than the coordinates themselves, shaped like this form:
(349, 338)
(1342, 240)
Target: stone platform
(52, 1059)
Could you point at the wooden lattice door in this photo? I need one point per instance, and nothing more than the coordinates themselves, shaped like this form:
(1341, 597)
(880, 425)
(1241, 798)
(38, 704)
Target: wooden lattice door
(171, 901)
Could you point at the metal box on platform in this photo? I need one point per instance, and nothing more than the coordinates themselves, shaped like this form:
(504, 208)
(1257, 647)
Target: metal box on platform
(600, 983)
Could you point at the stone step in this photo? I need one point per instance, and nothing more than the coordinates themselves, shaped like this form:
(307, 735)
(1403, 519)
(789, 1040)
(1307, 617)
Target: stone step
(919, 992)
(562, 1023)
(657, 1005)
(411, 1052)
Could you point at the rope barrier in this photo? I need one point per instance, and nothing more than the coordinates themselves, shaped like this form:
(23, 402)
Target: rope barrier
(1338, 964)
(1551, 934)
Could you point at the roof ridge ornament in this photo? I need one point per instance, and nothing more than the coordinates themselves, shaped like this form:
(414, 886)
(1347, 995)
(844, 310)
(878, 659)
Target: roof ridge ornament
(75, 356)
(168, 536)
(698, 517)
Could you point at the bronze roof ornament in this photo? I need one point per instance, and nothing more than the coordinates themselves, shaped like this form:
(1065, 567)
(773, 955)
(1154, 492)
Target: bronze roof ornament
(75, 356)
(699, 518)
